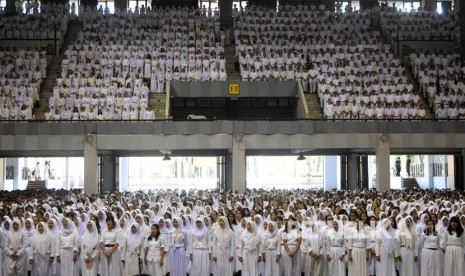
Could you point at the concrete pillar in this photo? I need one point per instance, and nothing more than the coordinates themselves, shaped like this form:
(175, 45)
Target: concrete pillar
(383, 152)
(330, 5)
(352, 171)
(450, 172)
(108, 173)
(225, 7)
(90, 164)
(429, 170)
(10, 7)
(461, 14)
(430, 5)
(123, 174)
(238, 163)
(122, 5)
(330, 172)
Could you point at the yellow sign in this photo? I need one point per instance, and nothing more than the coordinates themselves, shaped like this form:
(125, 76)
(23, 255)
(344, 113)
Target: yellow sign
(234, 89)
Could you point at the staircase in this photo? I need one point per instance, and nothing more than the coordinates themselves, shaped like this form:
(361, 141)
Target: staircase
(36, 185)
(53, 69)
(409, 184)
(314, 109)
(231, 59)
(158, 104)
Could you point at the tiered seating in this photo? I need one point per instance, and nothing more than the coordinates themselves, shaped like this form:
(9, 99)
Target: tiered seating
(105, 72)
(356, 75)
(21, 71)
(440, 75)
(418, 25)
(37, 26)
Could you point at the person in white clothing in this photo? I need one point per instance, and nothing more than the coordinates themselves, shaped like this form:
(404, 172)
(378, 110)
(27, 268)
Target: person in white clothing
(41, 257)
(154, 252)
(432, 259)
(271, 252)
(199, 249)
(15, 251)
(131, 250)
(407, 247)
(67, 248)
(454, 242)
(90, 250)
(249, 250)
(223, 248)
(110, 255)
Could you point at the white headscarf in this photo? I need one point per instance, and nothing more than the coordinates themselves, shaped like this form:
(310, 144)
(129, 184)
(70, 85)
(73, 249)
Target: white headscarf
(223, 234)
(91, 239)
(273, 234)
(42, 243)
(201, 232)
(134, 239)
(386, 238)
(69, 230)
(31, 231)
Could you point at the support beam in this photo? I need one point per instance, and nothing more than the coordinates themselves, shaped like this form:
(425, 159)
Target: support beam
(352, 172)
(109, 173)
(330, 172)
(383, 152)
(90, 164)
(123, 174)
(238, 163)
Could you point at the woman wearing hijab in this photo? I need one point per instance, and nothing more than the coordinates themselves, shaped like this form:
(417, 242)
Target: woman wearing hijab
(90, 250)
(53, 231)
(110, 258)
(67, 248)
(177, 254)
(335, 249)
(208, 223)
(292, 239)
(165, 233)
(154, 252)
(454, 241)
(385, 249)
(407, 241)
(30, 231)
(358, 250)
(271, 253)
(199, 249)
(249, 250)
(371, 232)
(223, 251)
(432, 259)
(315, 248)
(41, 251)
(15, 251)
(131, 252)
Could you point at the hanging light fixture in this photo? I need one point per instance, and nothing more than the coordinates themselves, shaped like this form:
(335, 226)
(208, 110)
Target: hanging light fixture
(167, 157)
(301, 157)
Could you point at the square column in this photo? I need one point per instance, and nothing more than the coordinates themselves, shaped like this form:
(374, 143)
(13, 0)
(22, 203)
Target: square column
(238, 163)
(383, 152)
(332, 173)
(90, 164)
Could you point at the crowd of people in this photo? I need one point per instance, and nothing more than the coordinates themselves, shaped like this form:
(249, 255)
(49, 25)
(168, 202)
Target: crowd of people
(338, 56)
(261, 232)
(21, 73)
(440, 76)
(44, 25)
(118, 59)
(418, 25)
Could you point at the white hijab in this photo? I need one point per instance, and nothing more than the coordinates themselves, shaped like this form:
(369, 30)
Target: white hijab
(134, 239)
(91, 239)
(223, 234)
(201, 232)
(42, 243)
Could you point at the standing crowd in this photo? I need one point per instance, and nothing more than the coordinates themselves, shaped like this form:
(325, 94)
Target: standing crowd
(272, 233)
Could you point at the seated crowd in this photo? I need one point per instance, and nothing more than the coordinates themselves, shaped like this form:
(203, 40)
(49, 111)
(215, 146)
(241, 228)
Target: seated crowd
(106, 70)
(418, 25)
(440, 76)
(37, 26)
(338, 56)
(267, 232)
(21, 71)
